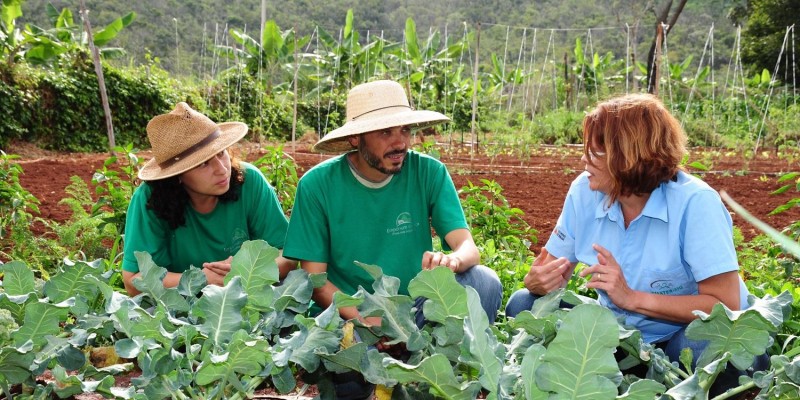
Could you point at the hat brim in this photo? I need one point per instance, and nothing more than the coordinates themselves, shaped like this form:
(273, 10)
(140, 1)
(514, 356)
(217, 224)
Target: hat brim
(230, 133)
(335, 141)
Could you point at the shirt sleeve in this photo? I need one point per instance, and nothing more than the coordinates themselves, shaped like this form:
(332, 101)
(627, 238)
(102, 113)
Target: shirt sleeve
(308, 236)
(144, 231)
(265, 217)
(707, 236)
(562, 240)
(446, 212)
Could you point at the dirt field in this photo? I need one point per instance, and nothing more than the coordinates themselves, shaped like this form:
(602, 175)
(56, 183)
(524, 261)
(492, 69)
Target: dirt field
(536, 185)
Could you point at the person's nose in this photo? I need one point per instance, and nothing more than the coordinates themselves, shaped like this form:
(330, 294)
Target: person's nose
(219, 166)
(400, 140)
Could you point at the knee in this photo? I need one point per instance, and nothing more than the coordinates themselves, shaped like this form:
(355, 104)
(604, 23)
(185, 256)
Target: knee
(519, 301)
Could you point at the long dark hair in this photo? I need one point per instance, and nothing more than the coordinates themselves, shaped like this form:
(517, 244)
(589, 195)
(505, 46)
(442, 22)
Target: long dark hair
(169, 199)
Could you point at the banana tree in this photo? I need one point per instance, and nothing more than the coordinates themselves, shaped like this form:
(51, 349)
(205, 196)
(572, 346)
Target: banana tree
(345, 62)
(46, 45)
(272, 60)
(594, 74)
(432, 69)
(10, 37)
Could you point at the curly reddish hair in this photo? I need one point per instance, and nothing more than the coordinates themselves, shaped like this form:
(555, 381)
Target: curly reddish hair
(643, 143)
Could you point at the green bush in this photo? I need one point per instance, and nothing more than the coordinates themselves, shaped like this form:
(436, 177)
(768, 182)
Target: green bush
(239, 97)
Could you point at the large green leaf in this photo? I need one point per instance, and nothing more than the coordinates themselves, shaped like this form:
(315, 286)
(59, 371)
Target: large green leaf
(17, 278)
(40, 319)
(221, 310)
(744, 334)
(11, 10)
(15, 365)
(111, 30)
(483, 351)
(151, 281)
(530, 362)
(255, 266)
(63, 351)
(412, 42)
(446, 297)
(69, 281)
(245, 356)
(645, 389)
(293, 294)
(345, 360)
(579, 363)
(437, 372)
(16, 304)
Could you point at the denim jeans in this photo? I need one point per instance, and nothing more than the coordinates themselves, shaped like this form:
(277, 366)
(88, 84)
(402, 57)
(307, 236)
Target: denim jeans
(484, 280)
(522, 300)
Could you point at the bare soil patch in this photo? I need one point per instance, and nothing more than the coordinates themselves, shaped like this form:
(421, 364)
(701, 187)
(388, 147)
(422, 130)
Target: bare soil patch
(535, 184)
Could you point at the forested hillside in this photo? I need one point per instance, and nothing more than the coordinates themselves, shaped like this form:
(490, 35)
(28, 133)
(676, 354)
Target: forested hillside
(175, 30)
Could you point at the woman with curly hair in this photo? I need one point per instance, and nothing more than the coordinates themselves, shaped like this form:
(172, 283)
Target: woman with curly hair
(658, 242)
(197, 204)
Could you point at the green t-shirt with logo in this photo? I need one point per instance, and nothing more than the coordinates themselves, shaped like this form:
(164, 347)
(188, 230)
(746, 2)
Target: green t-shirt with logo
(337, 220)
(214, 236)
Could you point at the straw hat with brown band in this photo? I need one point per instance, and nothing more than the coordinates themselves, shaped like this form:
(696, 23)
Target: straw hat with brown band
(373, 106)
(185, 138)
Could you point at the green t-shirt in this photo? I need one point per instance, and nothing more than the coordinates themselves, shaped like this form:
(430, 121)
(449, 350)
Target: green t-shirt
(337, 220)
(215, 236)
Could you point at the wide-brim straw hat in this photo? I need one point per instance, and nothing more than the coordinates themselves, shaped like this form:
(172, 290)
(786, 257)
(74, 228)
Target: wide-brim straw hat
(373, 106)
(183, 139)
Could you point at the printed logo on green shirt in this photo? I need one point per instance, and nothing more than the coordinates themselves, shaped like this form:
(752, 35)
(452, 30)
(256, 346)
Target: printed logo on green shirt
(238, 237)
(403, 225)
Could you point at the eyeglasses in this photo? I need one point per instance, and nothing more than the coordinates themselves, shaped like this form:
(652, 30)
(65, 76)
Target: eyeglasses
(596, 155)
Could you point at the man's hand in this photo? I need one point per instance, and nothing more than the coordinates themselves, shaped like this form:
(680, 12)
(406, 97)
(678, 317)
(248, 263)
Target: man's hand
(547, 274)
(433, 259)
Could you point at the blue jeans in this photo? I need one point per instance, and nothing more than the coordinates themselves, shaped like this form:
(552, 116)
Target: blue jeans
(484, 280)
(522, 300)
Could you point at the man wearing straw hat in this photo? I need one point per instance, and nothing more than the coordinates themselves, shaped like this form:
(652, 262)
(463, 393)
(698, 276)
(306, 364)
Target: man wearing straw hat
(377, 202)
(197, 205)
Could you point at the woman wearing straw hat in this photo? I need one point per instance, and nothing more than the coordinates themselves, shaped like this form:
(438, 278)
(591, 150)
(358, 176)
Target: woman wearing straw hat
(376, 204)
(197, 205)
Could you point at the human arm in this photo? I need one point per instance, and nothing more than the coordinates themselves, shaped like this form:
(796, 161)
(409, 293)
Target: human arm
(464, 256)
(170, 280)
(607, 275)
(285, 265)
(548, 273)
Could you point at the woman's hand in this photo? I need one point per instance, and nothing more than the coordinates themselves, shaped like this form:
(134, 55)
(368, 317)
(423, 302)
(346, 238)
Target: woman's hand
(547, 274)
(216, 271)
(607, 275)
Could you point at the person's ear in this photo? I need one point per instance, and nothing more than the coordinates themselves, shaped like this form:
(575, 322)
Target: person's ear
(353, 140)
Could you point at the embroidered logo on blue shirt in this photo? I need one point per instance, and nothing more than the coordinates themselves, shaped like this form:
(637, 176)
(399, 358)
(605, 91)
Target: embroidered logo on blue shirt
(559, 234)
(664, 286)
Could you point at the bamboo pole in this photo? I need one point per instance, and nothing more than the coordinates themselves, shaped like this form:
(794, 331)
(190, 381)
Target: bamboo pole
(475, 94)
(98, 69)
(294, 116)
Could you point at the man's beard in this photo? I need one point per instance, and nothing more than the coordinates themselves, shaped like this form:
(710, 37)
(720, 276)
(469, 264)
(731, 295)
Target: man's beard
(376, 162)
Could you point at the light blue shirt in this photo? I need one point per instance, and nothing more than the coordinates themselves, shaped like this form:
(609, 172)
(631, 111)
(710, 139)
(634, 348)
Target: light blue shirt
(683, 236)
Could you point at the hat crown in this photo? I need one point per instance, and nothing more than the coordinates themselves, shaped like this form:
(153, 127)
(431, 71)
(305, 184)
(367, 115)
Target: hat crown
(376, 99)
(182, 128)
